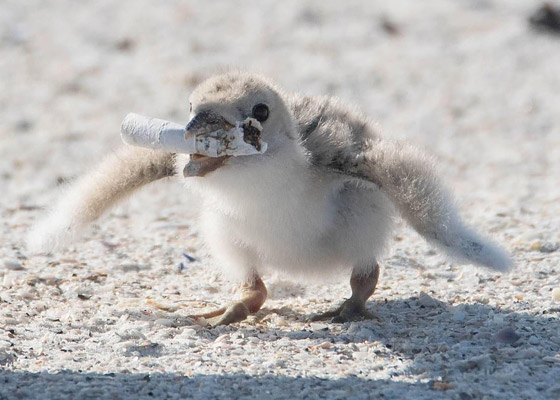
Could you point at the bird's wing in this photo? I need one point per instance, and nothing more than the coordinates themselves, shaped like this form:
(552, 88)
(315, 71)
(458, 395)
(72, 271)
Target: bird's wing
(343, 140)
(332, 133)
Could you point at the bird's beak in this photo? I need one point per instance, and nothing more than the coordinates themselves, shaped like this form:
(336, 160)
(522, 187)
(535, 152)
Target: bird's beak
(204, 123)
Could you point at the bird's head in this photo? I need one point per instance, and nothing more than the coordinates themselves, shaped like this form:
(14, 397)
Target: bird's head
(223, 100)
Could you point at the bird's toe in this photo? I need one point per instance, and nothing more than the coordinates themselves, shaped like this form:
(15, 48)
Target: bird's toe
(350, 310)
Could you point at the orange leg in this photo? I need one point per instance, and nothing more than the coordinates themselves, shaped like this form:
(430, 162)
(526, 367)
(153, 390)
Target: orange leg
(354, 308)
(253, 296)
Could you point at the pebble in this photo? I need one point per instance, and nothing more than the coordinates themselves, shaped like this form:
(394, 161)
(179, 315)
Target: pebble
(498, 318)
(534, 340)
(188, 333)
(361, 355)
(529, 353)
(546, 18)
(317, 326)
(165, 322)
(13, 265)
(507, 336)
(253, 340)
(556, 294)
(8, 280)
(426, 300)
(459, 316)
(548, 247)
(442, 386)
(325, 345)
(280, 321)
(161, 305)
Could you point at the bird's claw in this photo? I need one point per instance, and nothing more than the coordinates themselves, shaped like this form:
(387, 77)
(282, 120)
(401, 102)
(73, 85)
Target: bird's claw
(350, 310)
(236, 312)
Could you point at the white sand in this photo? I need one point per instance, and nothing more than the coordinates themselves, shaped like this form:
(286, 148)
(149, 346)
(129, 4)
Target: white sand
(468, 80)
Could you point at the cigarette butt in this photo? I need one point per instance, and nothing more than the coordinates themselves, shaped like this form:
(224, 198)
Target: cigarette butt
(158, 134)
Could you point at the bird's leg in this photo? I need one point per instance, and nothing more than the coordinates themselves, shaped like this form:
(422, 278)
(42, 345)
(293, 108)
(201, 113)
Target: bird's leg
(354, 309)
(253, 295)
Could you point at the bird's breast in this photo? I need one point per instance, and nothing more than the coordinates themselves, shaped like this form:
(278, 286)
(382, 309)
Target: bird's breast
(285, 216)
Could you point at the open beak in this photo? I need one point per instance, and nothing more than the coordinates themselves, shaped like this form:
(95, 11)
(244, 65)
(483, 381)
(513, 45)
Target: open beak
(204, 123)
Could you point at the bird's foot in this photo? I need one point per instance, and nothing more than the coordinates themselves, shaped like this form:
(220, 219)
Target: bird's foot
(350, 310)
(253, 296)
(236, 312)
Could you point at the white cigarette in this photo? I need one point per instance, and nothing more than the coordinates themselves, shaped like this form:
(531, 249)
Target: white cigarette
(153, 133)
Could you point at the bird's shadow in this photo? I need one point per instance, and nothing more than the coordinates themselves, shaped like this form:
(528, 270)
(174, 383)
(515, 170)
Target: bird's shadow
(457, 345)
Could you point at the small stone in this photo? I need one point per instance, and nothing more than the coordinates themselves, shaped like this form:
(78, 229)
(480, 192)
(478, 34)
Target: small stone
(361, 355)
(507, 336)
(161, 305)
(13, 265)
(188, 333)
(125, 44)
(165, 322)
(280, 321)
(556, 294)
(8, 280)
(253, 340)
(546, 19)
(426, 300)
(529, 353)
(201, 322)
(26, 294)
(548, 247)
(389, 26)
(498, 318)
(534, 340)
(459, 316)
(317, 326)
(442, 386)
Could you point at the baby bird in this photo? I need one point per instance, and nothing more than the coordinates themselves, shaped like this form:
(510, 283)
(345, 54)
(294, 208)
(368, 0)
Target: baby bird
(321, 199)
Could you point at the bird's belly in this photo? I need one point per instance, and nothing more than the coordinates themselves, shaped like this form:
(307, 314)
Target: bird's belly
(287, 227)
(300, 224)
(291, 233)
(290, 242)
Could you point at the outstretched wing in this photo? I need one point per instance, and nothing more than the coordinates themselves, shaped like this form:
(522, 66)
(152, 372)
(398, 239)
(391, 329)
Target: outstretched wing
(343, 140)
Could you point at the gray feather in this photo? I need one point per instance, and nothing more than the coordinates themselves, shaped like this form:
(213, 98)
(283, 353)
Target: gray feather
(342, 139)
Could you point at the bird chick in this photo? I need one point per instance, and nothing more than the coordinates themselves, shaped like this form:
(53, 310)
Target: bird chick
(321, 199)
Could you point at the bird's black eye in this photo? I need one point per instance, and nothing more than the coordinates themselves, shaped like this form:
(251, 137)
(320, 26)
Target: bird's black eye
(190, 107)
(260, 112)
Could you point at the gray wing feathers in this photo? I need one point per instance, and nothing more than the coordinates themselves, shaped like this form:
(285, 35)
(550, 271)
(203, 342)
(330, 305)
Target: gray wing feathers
(342, 139)
(407, 177)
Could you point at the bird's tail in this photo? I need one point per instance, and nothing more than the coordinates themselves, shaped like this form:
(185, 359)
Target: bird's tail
(87, 199)
(407, 177)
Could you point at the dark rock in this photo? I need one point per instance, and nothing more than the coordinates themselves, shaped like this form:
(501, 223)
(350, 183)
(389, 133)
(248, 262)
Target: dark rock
(546, 19)
(507, 336)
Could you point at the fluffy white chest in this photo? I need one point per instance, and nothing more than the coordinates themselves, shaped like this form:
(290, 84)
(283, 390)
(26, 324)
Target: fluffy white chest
(284, 215)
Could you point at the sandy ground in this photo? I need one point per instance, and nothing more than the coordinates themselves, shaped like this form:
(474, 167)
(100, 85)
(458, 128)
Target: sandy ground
(106, 318)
